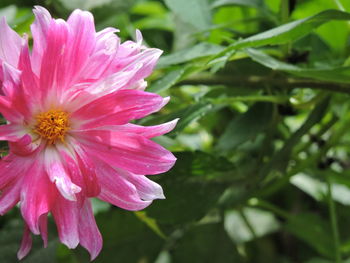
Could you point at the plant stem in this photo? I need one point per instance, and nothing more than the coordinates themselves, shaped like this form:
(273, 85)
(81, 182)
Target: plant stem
(247, 222)
(255, 82)
(273, 99)
(334, 223)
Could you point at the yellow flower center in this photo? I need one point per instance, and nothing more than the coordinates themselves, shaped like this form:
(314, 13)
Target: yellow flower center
(52, 125)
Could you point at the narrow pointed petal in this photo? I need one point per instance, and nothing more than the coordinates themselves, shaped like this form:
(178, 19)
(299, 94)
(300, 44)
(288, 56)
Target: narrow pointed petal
(146, 131)
(26, 243)
(118, 191)
(89, 235)
(10, 196)
(11, 167)
(10, 43)
(81, 44)
(53, 61)
(66, 216)
(39, 30)
(146, 188)
(11, 132)
(117, 108)
(37, 195)
(135, 153)
(43, 229)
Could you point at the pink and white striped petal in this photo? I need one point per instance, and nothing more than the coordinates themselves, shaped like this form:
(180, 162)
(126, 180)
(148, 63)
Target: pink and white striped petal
(89, 235)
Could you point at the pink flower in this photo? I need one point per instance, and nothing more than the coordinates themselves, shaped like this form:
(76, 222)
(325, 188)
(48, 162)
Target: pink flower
(68, 105)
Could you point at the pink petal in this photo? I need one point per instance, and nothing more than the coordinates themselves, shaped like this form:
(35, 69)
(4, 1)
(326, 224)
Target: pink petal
(66, 216)
(81, 43)
(10, 43)
(118, 191)
(131, 152)
(58, 175)
(11, 132)
(147, 189)
(26, 145)
(80, 167)
(106, 47)
(30, 81)
(87, 168)
(11, 166)
(37, 195)
(14, 91)
(146, 131)
(10, 196)
(43, 228)
(26, 244)
(117, 108)
(148, 59)
(39, 30)
(10, 77)
(53, 61)
(8, 111)
(89, 235)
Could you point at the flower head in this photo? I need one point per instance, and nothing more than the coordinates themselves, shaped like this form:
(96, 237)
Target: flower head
(68, 104)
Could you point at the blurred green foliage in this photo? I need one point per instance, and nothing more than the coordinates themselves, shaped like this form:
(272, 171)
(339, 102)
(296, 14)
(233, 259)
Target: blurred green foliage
(261, 88)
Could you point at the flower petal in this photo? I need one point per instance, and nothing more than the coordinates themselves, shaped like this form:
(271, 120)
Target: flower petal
(89, 235)
(131, 152)
(43, 228)
(117, 108)
(37, 195)
(146, 131)
(10, 43)
(10, 196)
(39, 30)
(11, 132)
(66, 216)
(58, 175)
(147, 189)
(81, 44)
(26, 244)
(118, 191)
(53, 61)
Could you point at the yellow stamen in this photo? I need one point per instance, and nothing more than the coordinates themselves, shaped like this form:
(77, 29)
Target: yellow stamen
(52, 125)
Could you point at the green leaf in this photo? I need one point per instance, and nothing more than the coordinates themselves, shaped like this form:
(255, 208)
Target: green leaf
(191, 188)
(285, 33)
(150, 222)
(318, 189)
(206, 244)
(194, 12)
(200, 50)
(335, 74)
(187, 115)
(313, 231)
(281, 158)
(167, 81)
(125, 239)
(249, 3)
(261, 223)
(190, 114)
(246, 126)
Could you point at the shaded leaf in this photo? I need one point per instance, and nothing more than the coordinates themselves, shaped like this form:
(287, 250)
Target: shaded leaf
(246, 126)
(313, 231)
(261, 222)
(206, 244)
(335, 74)
(194, 12)
(200, 50)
